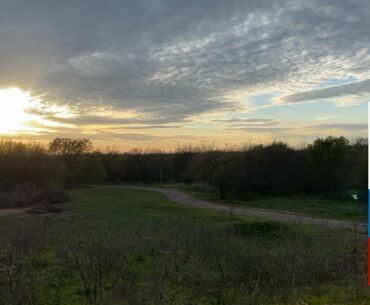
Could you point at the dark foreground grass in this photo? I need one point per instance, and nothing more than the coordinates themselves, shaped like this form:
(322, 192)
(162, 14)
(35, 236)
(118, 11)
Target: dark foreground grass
(353, 210)
(121, 246)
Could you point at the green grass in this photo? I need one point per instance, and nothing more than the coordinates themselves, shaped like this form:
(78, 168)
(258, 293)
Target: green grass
(138, 247)
(313, 205)
(129, 208)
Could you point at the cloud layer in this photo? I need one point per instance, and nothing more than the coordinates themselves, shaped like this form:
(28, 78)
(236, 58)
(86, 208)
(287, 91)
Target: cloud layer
(171, 61)
(357, 91)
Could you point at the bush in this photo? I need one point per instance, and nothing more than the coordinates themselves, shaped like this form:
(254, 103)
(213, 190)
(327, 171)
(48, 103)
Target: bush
(26, 195)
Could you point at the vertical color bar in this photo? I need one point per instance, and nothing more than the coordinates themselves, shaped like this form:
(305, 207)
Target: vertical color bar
(368, 199)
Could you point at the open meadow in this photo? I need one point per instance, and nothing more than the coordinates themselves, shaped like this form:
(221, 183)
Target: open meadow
(119, 246)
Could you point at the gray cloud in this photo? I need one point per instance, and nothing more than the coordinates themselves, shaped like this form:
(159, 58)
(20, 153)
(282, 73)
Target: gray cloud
(344, 127)
(146, 137)
(358, 89)
(174, 59)
(260, 129)
(135, 137)
(85, 120)
(306, 128)
(104, 136)
(152, 127)
(249, 122)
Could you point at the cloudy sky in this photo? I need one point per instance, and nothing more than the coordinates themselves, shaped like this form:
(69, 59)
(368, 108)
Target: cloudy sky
(154, 73)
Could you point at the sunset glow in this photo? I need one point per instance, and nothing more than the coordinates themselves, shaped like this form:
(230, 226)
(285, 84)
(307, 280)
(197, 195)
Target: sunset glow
(13, 105)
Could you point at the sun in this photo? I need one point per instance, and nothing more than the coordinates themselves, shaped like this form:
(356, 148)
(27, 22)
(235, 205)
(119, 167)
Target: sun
(13, 105)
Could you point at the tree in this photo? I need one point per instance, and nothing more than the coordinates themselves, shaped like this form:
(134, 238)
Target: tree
(28, 162)
(326, 157)
(83, 166)
(218, 169)
(67, 146)
(272, 169)
(88, 169)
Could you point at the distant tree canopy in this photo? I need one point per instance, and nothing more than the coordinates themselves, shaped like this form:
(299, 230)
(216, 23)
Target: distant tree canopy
(326, 160)
(67, 146)
(28, 163)
(83, 165)
(327, 166)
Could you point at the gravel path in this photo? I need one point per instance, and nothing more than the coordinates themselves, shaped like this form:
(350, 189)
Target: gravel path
(185, 199)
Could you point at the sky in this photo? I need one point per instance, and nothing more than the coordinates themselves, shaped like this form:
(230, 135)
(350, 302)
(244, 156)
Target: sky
(159, 73)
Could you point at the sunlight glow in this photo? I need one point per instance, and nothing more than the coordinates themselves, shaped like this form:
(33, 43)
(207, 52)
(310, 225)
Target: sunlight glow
(13, 105)
(22, 113)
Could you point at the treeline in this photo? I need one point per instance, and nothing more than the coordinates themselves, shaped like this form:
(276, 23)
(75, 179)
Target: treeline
(330, 167)
(30, 163)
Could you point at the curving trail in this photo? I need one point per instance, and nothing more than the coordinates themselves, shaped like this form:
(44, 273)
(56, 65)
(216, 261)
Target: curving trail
(187, 200)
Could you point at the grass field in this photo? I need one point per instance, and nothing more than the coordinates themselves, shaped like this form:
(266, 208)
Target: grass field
(313, 205)
(120, 246)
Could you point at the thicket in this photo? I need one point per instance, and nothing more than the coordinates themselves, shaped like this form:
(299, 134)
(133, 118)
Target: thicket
(329, 167)
(241, 263)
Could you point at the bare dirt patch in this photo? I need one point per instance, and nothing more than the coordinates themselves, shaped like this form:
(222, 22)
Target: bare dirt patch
(44, 208)
(13, 211)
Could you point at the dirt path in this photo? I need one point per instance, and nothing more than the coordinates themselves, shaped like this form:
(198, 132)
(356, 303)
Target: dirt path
(185, 199)
(13, 211)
